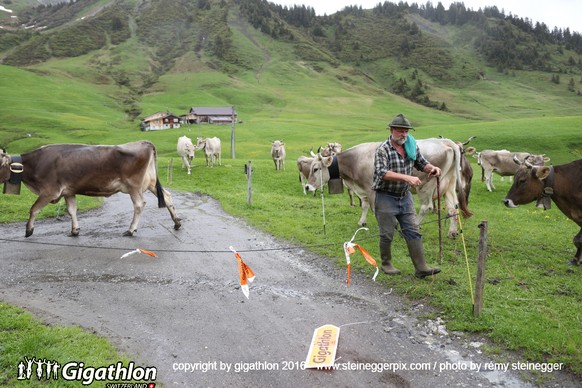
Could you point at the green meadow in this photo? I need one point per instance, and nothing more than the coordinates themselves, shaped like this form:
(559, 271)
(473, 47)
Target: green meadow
(532, 296)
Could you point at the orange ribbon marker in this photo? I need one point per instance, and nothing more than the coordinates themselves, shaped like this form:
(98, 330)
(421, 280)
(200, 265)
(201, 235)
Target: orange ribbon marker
(150, 253)
(246, 273)
(349, 249)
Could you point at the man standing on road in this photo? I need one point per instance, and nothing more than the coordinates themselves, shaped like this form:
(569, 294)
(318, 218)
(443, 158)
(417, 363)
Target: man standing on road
(393, 179)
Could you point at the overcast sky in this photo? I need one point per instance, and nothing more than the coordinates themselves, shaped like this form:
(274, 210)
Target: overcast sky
(555, 13)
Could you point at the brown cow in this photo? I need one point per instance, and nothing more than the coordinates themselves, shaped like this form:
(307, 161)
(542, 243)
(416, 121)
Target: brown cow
(562, 184)
(65, 170)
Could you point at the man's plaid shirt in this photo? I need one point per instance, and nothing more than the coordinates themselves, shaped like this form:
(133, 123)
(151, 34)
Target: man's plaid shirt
(389, 159)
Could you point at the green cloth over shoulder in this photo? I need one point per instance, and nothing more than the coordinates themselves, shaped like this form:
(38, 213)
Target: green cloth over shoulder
(410, 147)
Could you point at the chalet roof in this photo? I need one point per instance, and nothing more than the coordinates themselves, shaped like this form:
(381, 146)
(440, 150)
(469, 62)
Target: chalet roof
(158, 115)
(212, 111)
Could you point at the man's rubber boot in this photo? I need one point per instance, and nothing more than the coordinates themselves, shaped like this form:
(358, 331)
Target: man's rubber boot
(416, 251)
(386, 255)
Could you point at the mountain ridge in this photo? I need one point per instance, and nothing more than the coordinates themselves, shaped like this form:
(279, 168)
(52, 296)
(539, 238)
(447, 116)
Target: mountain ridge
(425, 54)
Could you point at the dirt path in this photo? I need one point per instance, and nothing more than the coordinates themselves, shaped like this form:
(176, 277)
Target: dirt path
(186, 307)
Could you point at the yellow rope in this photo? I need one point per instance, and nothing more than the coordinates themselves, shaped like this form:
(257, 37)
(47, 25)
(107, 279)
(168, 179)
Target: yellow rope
(466, 258)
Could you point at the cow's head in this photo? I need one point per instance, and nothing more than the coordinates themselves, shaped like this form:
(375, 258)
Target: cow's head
(331, 149)
(537, 160)
(189, 147)
(200, 143)
(528, 184)
(276, 147)
(319, 172)
(4, 166)
(466, 169)
(336, 148)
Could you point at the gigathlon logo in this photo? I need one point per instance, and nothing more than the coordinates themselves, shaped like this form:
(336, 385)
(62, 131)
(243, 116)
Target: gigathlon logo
(118, 374)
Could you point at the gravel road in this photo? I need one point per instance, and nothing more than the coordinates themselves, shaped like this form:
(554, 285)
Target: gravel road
(185, 310)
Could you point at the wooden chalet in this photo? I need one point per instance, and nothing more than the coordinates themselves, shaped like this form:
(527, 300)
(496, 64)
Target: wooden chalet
(210, 115)
(160, 121)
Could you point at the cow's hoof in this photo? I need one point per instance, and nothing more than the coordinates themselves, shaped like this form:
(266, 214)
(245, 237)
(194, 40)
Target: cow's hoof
(29, 232)
(128, 233)
(177, 226)
(75, 232)
(575, 261)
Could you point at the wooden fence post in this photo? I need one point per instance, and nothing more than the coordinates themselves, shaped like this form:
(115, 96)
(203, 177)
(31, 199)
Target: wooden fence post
(232, 139)
(171, 170)
(480, 278)
(249, 172)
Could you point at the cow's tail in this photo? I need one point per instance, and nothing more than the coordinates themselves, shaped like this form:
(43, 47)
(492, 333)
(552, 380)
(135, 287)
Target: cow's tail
(464, 203)
(160, 192)
(159, 188)
(462, 197)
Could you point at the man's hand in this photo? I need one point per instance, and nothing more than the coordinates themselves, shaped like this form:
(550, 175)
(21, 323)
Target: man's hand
(413, 181)
(432, 170)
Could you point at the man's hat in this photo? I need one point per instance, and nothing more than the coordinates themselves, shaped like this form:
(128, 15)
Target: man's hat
(400, 122)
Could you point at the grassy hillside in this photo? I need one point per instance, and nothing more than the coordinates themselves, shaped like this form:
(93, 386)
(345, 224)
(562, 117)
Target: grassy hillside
(401, 49)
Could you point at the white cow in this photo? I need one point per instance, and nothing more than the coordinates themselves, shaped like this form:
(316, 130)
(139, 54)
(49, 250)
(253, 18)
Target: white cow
(501, 162)
(278, 154)
(304, 166)
(332, 149)
(186, 151)
(212, 150)
(455, 180)
(356, 168)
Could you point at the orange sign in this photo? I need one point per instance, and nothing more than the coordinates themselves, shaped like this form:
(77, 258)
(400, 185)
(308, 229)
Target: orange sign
(323, 347)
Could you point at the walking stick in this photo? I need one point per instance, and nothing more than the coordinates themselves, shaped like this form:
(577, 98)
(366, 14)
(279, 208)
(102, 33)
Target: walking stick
(439, 218)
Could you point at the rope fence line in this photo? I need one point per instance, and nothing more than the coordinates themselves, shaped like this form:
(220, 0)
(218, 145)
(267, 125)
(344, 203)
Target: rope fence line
(193, 251)
(171, 250)
(170, 166)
